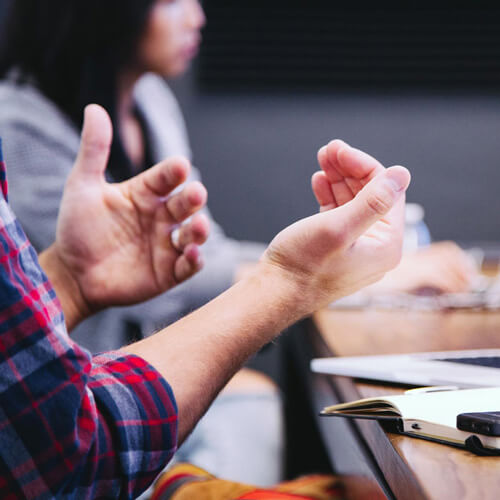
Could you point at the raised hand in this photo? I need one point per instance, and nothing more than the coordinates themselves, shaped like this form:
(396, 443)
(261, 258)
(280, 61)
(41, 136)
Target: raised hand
(355, 239)
(115, 240)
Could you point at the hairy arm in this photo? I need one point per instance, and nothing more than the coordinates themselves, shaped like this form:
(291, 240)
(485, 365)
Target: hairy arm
(312, 262)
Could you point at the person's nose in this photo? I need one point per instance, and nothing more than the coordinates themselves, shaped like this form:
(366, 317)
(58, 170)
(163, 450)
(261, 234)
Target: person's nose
(195, 16)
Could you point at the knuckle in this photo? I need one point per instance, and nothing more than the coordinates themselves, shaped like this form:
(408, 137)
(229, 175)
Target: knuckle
(379, 203)
(175, 207)
(95, 146)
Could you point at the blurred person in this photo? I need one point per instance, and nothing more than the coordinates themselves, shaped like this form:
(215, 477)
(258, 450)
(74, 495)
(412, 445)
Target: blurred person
(82, 427)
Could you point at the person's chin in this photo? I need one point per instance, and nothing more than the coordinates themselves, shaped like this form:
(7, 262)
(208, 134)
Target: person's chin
(191, 51)
(175, 71)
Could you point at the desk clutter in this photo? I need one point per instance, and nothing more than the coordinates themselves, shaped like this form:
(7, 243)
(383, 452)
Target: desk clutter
(467, 418)
(484, 296)
(414, 467)
(480, 301)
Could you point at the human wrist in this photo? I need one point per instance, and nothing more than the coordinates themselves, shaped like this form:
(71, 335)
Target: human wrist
(68, 291)
(294, 292)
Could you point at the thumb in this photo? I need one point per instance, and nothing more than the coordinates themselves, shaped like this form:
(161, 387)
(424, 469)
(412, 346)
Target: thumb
(95, 143)
(375, 201)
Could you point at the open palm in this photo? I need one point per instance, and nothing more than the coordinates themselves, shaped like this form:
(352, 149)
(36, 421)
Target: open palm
(116, 238)
(356, 238)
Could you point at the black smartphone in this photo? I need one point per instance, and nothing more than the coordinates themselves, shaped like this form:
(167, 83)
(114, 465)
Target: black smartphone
(487, 423)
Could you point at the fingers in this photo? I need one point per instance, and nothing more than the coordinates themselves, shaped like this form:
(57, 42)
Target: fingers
(374, 202)
(347, 169)
(157, 183)
(322, 190)
(339, 160)
(185, 203)
(195, 231)
(327, 159)
(95, 143)
(189, 237)
(160, 180)
(187, 264)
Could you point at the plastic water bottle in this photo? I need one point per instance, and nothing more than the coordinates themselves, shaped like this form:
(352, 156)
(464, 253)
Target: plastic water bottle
(416, 231)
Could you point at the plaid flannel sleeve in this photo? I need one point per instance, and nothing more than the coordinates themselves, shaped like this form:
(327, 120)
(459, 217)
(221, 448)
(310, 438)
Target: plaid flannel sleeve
(71, 425)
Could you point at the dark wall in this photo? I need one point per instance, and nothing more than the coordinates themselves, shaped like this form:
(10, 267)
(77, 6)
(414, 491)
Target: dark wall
(257, 153)
(416, 83)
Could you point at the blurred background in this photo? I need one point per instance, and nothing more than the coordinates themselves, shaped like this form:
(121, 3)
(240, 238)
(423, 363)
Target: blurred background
(416, 84)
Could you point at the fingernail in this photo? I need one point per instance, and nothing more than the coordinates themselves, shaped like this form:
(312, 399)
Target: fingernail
(175, 239)
(397, 178)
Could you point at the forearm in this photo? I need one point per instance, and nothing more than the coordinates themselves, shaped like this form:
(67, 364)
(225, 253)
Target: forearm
(200, 353)
(74, 307)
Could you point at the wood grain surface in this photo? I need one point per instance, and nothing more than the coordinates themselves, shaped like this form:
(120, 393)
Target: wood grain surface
(414, 468)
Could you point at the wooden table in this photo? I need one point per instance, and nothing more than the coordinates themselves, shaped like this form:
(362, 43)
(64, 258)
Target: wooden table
(403, 467)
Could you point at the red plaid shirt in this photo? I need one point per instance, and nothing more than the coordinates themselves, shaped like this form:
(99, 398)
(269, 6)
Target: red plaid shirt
(71, 425)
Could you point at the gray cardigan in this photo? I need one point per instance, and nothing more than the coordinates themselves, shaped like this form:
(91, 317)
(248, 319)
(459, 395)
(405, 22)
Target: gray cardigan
(40, 145)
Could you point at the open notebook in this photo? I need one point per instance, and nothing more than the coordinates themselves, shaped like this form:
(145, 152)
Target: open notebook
(430, 414)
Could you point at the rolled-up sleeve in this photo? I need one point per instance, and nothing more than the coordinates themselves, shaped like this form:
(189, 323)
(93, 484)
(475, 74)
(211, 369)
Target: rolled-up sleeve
(137, 421)
(71, 426)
